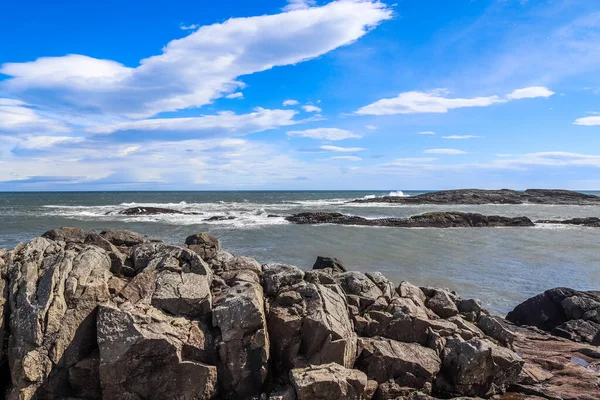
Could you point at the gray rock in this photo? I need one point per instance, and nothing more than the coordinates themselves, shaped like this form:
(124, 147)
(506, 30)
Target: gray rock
(441, 303)
(331, 381)
(279, 276)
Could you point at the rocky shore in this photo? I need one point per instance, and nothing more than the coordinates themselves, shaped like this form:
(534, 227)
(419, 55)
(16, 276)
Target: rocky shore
(504, 196)
(427, 220)
(115, 315)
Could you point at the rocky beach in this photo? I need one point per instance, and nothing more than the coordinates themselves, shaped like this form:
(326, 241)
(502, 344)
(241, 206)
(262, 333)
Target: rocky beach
(117, 315)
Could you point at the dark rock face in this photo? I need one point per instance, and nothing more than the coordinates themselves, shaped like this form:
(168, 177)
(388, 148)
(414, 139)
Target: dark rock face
(428, 220)
(504, 196)
(116, 316)
(590, 221)
(564, 312)
(148, 211)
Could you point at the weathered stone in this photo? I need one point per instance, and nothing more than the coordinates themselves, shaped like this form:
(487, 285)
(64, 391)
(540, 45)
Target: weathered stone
(278, 276)
(330, 381)
(185, 294)
(53, 298)
(408, 364)
(66, 234)
(205, 245)
(125, 238)
(244, 350)
(441, 304)
(477, 368)
(332, 264)
(496, 328)
(140, 356)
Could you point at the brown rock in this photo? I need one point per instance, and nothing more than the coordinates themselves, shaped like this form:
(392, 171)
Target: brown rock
(330, 381)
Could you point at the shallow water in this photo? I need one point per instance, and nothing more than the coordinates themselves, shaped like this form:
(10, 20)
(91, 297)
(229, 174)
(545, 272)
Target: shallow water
(501, 266)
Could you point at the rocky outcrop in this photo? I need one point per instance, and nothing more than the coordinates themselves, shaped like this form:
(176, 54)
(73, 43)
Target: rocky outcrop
(592, 222)
(479, 196)
(137, 211)
(114, 315)
(427, 220)
(564, 312)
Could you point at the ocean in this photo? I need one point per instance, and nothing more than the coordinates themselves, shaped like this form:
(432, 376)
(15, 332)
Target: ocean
(500, 266)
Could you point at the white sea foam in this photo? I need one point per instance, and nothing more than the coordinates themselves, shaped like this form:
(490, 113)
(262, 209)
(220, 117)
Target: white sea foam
(397, 193)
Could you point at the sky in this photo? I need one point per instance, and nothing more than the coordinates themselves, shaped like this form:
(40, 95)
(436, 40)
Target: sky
(299, 95)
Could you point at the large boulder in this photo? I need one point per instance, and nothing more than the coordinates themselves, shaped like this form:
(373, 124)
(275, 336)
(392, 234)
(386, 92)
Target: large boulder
(477, 367)
(53, 297)
(562, 311)
(408, 364)
(205, 245)
(66, 234)
(331, 381)
(142, 355)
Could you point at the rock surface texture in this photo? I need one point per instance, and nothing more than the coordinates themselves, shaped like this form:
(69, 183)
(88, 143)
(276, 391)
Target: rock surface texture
(504, 196)
(427, 220)
(115, 315)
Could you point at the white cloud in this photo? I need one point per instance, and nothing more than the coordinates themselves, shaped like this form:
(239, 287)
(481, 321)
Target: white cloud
(346, 158)
(371, 127)
(311, 108)
(291, 102)
(551, 159)
(436, 101)
(424, 102)
(43, 142)
(325, 134)
(530, 93)
(223, 123)
(299, 5)
(236, 95)
(17, 116)
(426, 133)
(189, 27)
(461, 137)
(444, 151)
(588, 121)
(342, 149)
(194, 70)
(404, 162)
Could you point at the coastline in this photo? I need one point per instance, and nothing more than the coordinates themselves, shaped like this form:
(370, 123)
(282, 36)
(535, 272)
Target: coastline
(261, 330)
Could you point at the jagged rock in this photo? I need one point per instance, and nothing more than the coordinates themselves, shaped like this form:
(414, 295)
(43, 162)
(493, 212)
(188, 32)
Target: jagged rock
(441, 304)
(477, 368)
(316, 330)
(141, 355)
(149, 211)
(124, 238)
(205, 245)
(244, 349)
(590, 221)
(53, 297)
(496, 328)
(358, 284)
(119, 262)
(66, 234)
(564, 312)
(329, 263)
(331, 381)
(277, 276)
(408, 364)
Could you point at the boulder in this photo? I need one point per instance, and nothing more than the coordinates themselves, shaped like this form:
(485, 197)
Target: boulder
(124, 238)
(66, 234)
(442, 304)
(53, 297)
(408, 364)
(331, 381)
(278, 276)
(141, 355)
(564, 312)
(477, 367)
(329, 263)
(205, 245)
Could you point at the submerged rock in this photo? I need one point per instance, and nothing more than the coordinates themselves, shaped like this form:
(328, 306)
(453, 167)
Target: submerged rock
(589, 221)
(427, 220)
(479, 196)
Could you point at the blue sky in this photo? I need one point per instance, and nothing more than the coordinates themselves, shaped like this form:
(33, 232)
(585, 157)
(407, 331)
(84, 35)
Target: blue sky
(348, 94)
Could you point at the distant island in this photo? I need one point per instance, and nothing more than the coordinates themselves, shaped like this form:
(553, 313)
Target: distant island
(480, 196)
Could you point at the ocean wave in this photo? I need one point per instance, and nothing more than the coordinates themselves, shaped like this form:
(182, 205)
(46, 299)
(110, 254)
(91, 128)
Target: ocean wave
(397, 193)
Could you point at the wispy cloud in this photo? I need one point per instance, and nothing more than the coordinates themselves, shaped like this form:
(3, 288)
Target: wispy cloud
(437, 101)
(236, 95)
(444, 151)
(291, 102)
(299, 5)
(325, 134)
(189, 27)
(461, 137)
(346, 158)
(342, 149)
(427, 133)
